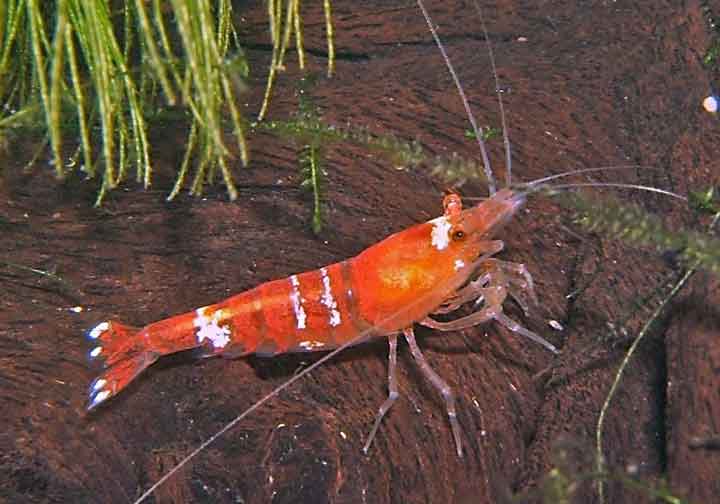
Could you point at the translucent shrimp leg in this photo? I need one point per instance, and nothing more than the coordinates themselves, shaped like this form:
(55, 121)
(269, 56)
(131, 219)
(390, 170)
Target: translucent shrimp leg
(439, 384)
(392, 391)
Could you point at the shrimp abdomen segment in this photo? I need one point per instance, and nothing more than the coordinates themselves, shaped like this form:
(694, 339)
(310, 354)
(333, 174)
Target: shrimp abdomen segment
(315, 310)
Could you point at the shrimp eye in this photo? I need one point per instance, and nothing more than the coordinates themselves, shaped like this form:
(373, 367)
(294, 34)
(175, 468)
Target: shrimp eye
(458, 235)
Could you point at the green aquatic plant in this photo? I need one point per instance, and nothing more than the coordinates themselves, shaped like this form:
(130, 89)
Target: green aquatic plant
(694, 241)
(313, 175)
(635, 226)
(49, 274)
(562, 484)
(103, 70)
(712, 52)
(285, 21)
(402, 154)
(313, 135)
(488, 133)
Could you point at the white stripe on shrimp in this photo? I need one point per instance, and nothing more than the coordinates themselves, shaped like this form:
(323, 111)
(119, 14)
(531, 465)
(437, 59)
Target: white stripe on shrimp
(96, 331)
(328, 300)
(300, 315)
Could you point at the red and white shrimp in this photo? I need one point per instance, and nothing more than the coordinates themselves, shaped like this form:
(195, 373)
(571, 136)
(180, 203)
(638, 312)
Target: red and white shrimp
(433, 267)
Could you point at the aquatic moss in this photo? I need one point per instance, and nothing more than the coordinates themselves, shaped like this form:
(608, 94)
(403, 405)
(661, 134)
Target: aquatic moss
(635, 226)
(104, 69)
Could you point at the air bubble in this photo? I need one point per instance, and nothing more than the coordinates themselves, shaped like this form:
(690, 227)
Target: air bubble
(710, 104)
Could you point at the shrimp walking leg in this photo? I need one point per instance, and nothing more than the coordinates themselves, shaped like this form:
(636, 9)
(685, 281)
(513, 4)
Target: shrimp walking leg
(485, 315)
(479, 317)
(493, 298)
(392, 391)
(515, 327)
(470, 292)
(439, 384)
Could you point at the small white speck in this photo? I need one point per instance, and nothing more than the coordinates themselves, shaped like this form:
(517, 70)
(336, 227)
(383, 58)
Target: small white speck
(459, 264)
(76, 309)
(99, 384)
(96, 331)
(440, 235)
(555, 325)
(311, 345)
(522, 39)
(483, 433)
(95, 351)
(343, 435)
(632, 469)
(280, 425)
(710, 104)
(513, 387)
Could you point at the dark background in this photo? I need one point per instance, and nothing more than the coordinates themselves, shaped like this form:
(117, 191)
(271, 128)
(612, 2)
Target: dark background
(595, 84)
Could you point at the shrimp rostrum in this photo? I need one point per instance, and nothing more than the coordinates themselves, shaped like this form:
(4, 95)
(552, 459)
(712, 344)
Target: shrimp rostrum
(430, 268)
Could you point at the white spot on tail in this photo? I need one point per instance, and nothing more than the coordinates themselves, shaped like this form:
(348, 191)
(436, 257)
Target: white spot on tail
(300, 315)
(440, 233)
(95, 351)
(459, 264)
(99, 384)
(96, 331)
(209, 328)
(328, 300)
(100, 397)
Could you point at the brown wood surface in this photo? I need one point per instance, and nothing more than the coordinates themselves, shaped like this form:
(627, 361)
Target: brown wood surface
(594, 84)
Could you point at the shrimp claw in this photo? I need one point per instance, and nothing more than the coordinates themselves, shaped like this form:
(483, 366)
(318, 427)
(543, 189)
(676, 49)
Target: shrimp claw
(497, 279)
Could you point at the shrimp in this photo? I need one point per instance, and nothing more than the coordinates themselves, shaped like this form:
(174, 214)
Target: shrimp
(430, 268)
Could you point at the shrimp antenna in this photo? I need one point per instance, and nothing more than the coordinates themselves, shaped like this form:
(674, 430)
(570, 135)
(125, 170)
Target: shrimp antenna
(503, 118)
(539, 181)
(477, 130)
(622, 186)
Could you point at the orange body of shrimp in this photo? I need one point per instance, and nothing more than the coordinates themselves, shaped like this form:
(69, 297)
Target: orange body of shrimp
(427, 268)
